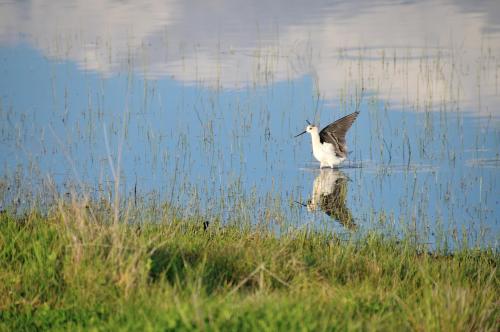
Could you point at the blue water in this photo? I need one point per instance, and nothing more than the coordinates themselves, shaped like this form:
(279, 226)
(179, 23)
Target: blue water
(207, 124)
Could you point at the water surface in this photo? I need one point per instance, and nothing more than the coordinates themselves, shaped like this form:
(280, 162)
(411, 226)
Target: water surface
(196, 104)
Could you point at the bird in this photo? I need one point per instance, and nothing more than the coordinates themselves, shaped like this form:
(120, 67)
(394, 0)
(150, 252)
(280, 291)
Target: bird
(329, 194)
(329, 145)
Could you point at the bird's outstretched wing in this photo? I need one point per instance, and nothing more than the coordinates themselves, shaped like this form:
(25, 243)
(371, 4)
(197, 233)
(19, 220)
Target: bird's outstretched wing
(335, 132)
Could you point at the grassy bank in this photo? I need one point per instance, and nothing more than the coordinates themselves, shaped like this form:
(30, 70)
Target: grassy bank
(69, 270)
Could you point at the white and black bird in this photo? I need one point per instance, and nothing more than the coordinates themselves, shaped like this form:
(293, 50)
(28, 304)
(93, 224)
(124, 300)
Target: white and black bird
(330, 194)
(329, 145)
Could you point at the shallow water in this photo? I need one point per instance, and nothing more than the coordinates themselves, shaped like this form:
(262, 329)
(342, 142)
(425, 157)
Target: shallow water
(197, 105)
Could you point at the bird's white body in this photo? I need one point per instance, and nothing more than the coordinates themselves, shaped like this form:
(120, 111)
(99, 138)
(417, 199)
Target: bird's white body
(323, 152)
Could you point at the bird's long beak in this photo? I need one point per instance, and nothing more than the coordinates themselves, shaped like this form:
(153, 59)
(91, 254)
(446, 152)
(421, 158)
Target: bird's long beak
(302, 133)
(300, 203)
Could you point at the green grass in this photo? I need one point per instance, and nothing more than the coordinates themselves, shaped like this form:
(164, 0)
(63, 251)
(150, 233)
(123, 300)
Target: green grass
(71, 271)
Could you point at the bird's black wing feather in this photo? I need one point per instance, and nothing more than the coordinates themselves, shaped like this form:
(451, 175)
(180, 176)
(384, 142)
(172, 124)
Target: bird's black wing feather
(335, 132)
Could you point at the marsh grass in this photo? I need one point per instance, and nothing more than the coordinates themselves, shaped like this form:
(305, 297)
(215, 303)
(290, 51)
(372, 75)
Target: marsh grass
(75, 268)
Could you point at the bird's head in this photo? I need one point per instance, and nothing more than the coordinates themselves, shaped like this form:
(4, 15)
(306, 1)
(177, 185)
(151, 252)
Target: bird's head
(310, 128)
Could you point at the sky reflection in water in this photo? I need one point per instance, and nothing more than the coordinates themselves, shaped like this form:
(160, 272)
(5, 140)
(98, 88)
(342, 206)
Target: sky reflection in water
(204, 101)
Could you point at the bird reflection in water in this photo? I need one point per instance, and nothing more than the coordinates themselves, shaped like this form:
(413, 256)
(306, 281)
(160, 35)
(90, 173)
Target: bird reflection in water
(329, 195)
